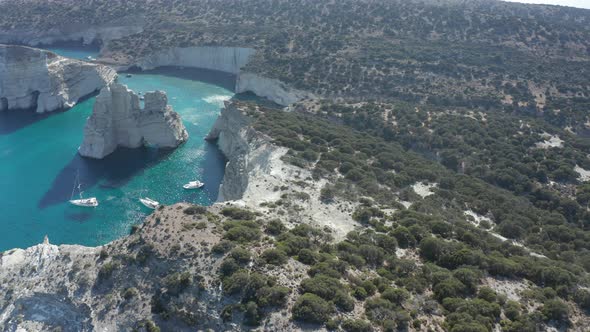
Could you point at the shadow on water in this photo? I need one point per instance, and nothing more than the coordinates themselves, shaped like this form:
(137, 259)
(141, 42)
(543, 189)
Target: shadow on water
(214, 164)
(113, 171)
(79, 217)
(14, 120)
(215, 77)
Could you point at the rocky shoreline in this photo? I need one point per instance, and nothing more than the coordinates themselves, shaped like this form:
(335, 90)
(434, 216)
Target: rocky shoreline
(31, 78)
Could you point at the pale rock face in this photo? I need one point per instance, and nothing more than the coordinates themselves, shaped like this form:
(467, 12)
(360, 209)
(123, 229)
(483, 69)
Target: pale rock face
(234, 137)
(255, 169)
(229, 60)
(34, 78)
(226, 59)
(118, 120)
(272, 89)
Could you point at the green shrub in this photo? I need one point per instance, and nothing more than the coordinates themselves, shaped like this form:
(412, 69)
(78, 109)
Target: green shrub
(359, 293)
(237, 213)
(323, 286)
(195, 210)
(236, 283)
(178, 282)
(275, 296)
(228, 266)
(149, 326)
(449, 288)
(311, 308)
(252, 314)
(327, 194)
(395, 295)
(512, 310)
(130, 293)
(380, 310)
(240, 255)
(555, 310)
(332, 325)
(242, 234)
(332, 268)
(222, 247)
(275, 227)
(306, 256)
(487, 294)
(404, 237)
(274, 256)
(107, 269)
(356, 325)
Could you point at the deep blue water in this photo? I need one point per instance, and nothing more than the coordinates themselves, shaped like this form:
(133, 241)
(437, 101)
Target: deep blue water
(39, 162)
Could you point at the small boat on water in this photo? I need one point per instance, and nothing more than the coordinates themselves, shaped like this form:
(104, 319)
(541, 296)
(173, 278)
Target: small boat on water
(193, 185)
(141, 98)
(149, 203)
(83, 202)
(128, 75)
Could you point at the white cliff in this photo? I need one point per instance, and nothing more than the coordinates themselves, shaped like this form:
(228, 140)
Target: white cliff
(226, 59)
(237, 140)
(255, 173)
(230, 60)
(34, 78)
(118, 120)
(272, 89)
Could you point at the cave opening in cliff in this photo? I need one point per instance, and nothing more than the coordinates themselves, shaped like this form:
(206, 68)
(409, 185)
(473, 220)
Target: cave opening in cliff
(34, 99)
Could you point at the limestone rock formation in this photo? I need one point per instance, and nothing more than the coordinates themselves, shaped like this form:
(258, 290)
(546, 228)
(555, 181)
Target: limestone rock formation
(34, 78)
(230, 60)
(118, 120)
(272, 89)
(234, 136)
(226, 59)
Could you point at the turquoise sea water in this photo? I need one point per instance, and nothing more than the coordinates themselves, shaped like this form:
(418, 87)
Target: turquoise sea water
(75, 52)
(39, 162)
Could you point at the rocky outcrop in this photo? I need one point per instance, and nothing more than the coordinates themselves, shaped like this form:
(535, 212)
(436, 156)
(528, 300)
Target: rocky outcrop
(237, 140)
(256, 172)
(118, 120)
(226, 59)
(272, 89)
(34, 78)
(229, 60)
(64, 288)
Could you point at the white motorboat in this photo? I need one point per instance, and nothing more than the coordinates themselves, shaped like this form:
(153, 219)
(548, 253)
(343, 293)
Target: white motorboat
(149, 203)
(83, 202)
(193, 185)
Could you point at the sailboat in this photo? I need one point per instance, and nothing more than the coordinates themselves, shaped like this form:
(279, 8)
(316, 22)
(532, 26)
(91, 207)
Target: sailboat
(149, 203)
(83, 202)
